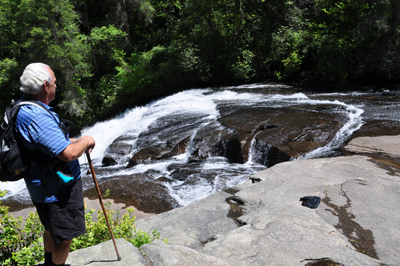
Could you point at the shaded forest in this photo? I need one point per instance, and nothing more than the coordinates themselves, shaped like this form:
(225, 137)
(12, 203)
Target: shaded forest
(111, 54)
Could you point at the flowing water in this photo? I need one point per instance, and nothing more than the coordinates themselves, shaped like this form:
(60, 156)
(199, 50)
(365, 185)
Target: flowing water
(192, 110)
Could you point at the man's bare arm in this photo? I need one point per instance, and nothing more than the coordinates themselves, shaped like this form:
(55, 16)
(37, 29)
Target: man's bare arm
(78, 146)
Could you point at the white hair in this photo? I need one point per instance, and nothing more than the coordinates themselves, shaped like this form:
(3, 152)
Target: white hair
(33, 78)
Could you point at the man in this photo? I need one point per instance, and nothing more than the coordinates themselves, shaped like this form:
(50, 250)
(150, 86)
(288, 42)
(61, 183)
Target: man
(60, 206)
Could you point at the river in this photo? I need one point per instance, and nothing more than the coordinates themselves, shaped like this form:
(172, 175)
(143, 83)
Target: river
(183, 115)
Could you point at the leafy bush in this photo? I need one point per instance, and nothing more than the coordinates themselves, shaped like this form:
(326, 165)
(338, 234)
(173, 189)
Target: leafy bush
(21, 244)
(142, 238)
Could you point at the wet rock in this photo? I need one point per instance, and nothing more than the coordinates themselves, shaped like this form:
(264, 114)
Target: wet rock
(147, 154)
(231, 149)
(165, 179)
(122, 145)
(136, 190)
(178, 149)
(181, 172)
(299, 133)
(269, 155)
(169, 131)
(293, 132)
(374, 128)
(208, 137)
(157, 153)
(215, 140)
(181, 147)
(119, 148)
(195, 159)
(108, 160)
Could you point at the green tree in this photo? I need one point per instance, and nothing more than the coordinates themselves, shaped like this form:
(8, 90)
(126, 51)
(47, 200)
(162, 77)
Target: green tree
(43, 31)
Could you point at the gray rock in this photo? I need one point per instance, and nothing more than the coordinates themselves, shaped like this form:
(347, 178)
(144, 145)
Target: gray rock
(357, 197)
(165, 255)
(105, 254)
(387, 145)
(145, 194)
(356, 223)
(193, 225)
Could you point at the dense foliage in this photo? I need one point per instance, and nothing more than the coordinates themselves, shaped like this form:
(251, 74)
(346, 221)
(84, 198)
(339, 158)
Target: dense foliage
(111, 54)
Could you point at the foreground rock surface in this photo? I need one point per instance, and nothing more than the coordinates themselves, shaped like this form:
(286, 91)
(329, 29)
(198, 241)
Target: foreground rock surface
(383, 145)
(356, 223)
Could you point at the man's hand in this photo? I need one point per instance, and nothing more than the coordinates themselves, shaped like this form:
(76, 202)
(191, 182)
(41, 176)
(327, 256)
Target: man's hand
(77, 148)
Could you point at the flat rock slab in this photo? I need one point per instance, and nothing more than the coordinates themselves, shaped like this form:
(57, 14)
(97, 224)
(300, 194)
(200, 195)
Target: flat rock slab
(387, 145)
(356, 222)
(359, 214)
(160, 254)
(193, 225)
(105, 254)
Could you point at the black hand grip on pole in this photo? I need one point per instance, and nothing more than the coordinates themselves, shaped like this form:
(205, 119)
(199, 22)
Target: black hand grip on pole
(101, 203)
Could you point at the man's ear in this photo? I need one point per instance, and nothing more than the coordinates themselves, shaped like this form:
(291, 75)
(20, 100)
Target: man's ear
(46, 85)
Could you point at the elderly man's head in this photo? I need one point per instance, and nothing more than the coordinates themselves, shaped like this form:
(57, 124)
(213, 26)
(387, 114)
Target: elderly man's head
(34, 77)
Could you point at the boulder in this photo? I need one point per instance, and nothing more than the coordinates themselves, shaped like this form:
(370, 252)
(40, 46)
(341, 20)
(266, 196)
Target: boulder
(109, 160)
(118, 149)
(268, 155)
(293, 132)
(147, 154)
(105, 254)
(212, 139)
(289, 132)
(137, 190)
(120, 146)
(157, 153)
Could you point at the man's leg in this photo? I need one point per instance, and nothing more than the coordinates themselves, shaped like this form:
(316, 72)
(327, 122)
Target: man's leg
(48, 248)
(61, 251)
(47, 242)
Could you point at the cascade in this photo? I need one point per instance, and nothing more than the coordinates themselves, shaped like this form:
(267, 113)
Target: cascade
(209, 128)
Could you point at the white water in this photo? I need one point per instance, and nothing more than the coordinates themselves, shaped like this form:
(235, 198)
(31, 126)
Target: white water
(204, 102)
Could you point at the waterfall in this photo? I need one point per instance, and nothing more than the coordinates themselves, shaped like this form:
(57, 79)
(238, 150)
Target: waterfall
(196, 110)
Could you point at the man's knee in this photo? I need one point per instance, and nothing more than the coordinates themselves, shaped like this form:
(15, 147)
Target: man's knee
(62, 246)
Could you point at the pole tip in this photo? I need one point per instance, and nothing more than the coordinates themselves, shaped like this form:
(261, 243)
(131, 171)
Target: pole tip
(119, 258)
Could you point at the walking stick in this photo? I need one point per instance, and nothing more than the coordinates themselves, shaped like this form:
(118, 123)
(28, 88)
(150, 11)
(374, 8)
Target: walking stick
(101, 202)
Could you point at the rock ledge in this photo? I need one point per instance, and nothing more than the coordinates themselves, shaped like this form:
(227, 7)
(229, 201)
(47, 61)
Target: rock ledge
(356, 223)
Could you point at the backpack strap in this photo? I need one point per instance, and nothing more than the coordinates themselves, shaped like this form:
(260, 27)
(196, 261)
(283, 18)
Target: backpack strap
(62, 123)
(35, 103)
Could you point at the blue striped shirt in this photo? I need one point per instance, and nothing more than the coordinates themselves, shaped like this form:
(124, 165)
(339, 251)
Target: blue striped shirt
(38, 131)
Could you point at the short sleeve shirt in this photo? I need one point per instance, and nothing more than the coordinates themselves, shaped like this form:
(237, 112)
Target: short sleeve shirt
(39, 131)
